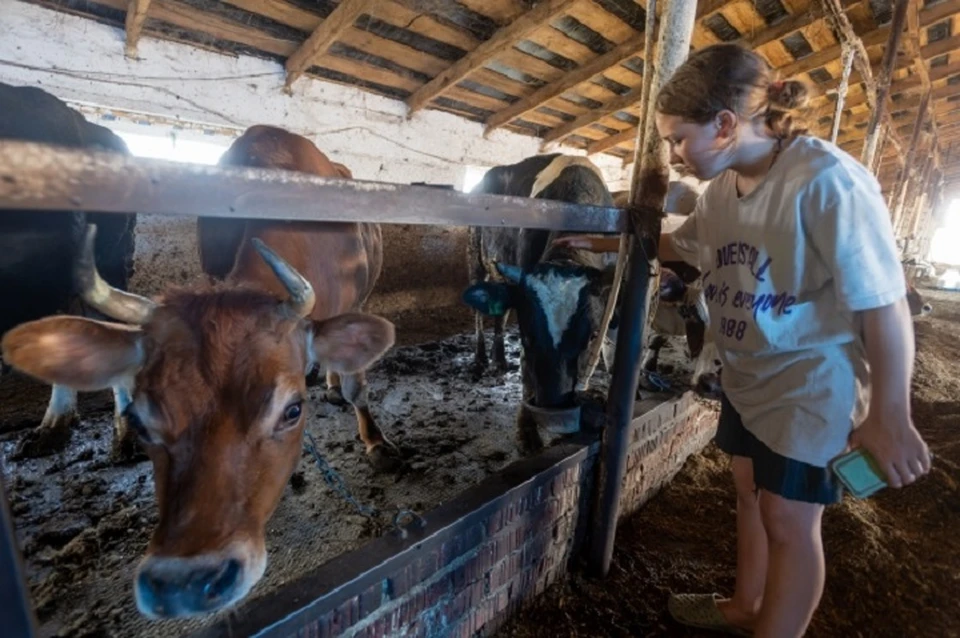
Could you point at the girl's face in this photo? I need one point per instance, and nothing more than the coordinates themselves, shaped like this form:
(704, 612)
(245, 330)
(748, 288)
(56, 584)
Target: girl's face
(706, 150)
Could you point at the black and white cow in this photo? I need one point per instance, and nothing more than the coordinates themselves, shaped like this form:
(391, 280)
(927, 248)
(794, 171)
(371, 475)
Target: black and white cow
(557, 292)
(682, 312)
(38, 250)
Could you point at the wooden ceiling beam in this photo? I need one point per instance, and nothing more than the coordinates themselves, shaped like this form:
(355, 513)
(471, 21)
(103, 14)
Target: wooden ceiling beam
(133, 25)
(759, 39)
(633, 47)
(938, 12)
(629, 48)
(324, 36)
(540, 15)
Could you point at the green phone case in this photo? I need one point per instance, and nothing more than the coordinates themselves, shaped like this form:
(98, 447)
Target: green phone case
(859, 473)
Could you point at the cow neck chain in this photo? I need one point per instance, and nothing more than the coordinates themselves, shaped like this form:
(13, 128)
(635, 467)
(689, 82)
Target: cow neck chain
(402, 518)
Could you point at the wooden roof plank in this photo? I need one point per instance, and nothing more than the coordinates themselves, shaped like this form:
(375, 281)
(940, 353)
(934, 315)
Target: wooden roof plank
(506, 36)
(324, 36)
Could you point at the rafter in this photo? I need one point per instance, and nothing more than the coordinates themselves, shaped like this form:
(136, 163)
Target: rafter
(133, 24)
(542, 14)
(632, 48)
(324, 36)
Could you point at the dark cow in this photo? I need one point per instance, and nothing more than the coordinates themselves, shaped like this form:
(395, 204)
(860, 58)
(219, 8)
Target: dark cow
(38, 250)
(557, 292)
(217, 379)
(918, 307)
(682, 311)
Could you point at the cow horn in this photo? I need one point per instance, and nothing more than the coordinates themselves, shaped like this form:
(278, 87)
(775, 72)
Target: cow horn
(302, 297)
(101, 296)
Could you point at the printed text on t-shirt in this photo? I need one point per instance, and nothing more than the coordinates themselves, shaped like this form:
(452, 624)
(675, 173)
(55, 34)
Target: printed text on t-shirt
(776, 303)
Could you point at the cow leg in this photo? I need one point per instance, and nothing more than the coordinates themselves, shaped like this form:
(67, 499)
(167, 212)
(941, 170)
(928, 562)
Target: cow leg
(652, 357)
(499, 348)
(706, 377)
(335, 395)
(383, 455)
(313, 377)
(609, 349)
(126, 448)
(480, 360)
(528, 436)
(54, 432)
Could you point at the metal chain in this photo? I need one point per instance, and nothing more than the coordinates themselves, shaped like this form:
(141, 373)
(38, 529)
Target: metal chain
(402, 518)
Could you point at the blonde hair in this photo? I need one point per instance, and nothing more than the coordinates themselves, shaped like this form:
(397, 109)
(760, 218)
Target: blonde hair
(729, 77)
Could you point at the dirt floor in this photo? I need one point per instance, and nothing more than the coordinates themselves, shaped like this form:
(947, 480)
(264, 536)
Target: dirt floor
(893, 561)
(84, 523)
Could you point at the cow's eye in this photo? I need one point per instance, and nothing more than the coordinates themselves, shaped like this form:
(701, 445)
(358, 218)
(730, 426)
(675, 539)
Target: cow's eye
(291, 415)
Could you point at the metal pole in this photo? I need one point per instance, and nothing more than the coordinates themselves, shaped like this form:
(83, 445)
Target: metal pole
(16, 613)
(652, 174)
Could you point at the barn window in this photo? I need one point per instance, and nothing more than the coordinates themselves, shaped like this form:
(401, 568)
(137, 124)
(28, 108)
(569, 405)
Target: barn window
(954, 80)
(472, 175)
(172, 147)
(940, 60)
(943, 245)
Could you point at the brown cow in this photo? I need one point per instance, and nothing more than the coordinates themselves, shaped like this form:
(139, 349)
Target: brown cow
(217, 382)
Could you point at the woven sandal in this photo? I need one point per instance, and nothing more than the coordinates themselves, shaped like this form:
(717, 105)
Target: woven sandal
(701, 611)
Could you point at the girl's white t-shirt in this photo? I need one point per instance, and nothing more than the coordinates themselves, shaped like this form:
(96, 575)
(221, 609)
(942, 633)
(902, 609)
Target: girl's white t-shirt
(785, 269)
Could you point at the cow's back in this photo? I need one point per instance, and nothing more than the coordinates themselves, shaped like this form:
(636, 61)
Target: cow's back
(38, 249)
(555, 176)
(342, 261)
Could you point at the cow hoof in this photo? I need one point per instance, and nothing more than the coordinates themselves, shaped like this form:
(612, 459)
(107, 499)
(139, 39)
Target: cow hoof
(51, 437)
(385, 457)
(335, 397)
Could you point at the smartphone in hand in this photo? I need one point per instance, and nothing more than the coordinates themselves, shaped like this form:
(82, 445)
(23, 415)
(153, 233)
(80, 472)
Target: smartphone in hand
(859, 473)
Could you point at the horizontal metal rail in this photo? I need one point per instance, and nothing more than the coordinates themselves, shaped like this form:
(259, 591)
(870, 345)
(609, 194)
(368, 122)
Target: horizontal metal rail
(43, 177)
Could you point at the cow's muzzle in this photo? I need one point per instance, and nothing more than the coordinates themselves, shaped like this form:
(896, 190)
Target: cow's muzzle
(177, 587)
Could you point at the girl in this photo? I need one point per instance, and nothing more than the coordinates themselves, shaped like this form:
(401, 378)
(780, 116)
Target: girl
(806, 296)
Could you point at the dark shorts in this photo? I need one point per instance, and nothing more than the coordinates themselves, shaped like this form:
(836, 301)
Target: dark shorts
(793, 480)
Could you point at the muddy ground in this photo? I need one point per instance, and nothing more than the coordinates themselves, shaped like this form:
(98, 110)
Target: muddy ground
(893, 561)
(84, 522)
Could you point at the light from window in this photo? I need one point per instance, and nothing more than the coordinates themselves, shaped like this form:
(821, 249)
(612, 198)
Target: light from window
(169, 147)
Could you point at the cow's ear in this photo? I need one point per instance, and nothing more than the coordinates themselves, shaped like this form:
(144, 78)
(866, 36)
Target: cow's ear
(490, 298)
(79, 353)
(513, 274)
(352, 341)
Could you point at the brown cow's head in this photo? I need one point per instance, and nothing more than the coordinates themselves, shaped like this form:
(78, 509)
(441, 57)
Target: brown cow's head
(217, 382)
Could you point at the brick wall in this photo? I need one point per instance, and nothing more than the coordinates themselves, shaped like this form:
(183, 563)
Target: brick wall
(661, 441)
(483, 555)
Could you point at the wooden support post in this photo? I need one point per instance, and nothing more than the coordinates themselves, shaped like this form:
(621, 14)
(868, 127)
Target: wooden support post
(136, 16)
(900, 191)
(537, 17)
(16, 613)
(848, 55)
(624, 247)
(883, 83)
(908, 220)
(323, 37)
(676, 31)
